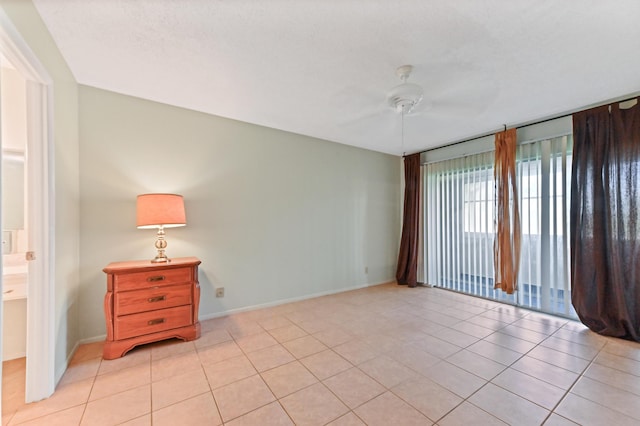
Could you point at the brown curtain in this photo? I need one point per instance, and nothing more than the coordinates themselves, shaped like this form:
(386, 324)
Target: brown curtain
(506, 247)
(407, 272)
(605, 215)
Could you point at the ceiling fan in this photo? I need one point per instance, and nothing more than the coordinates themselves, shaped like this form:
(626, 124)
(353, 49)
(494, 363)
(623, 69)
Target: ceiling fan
(453, 90)
(405, 97)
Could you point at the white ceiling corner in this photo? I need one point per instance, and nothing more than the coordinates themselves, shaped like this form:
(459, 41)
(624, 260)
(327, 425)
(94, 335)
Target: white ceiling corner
(323, 68)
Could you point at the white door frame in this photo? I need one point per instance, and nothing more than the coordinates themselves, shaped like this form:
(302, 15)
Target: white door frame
(40, 370)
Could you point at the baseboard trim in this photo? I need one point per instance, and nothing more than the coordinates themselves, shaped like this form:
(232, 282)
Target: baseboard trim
(60, 373)
(284, 301)
(14, 355)
(205, 317)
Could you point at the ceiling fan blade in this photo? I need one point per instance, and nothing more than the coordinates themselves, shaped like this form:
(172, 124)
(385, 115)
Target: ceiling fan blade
(354, 98)
(451, 109)
(455, 88)
(376, 121)
(363, 111)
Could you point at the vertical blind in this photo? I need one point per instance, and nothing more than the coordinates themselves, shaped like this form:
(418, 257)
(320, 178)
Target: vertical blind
(459, 228)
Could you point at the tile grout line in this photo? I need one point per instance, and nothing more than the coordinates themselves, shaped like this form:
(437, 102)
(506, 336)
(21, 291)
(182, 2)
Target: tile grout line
(507, 367)
(568, 391)
(389, 307)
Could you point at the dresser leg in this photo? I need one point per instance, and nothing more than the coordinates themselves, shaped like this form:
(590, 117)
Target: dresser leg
(118, 348)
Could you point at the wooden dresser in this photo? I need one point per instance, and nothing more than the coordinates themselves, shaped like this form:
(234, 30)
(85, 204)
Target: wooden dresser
(147, 302)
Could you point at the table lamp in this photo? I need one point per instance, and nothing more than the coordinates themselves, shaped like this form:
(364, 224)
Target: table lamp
(160, 211)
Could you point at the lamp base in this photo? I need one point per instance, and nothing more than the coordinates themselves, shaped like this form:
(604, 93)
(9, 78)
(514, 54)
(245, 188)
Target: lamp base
(161, 244)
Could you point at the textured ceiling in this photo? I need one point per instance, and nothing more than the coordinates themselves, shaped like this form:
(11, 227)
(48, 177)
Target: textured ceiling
(323, 68)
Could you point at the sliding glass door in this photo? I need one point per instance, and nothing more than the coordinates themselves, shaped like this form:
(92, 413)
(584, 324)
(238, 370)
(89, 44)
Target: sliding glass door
(460, 230)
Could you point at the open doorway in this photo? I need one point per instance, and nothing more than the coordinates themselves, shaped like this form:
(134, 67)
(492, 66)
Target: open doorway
(13, 127)
(40, 348)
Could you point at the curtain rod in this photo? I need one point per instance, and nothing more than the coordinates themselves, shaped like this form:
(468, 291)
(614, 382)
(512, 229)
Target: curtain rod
(538, 121)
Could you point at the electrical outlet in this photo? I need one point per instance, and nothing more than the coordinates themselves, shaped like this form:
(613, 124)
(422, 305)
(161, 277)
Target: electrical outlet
(366, 269)
(220, 292)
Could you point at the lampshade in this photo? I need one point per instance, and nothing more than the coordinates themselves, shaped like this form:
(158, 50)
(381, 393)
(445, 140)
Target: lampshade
(156, 210)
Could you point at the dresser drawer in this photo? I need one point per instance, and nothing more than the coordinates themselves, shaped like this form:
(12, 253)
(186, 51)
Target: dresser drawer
(139, 280)
(149, 299)
(153, 321)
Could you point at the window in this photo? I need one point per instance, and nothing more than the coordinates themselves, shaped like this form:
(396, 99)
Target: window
(460, 230)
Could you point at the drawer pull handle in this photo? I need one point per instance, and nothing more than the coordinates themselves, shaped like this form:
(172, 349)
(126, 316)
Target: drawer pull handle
(157, 299)
(156, 278)
(155, 321)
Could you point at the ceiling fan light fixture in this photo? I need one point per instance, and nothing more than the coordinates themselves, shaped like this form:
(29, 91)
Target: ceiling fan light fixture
(406, 96)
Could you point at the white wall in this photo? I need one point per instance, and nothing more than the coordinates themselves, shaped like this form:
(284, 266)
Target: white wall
(14, 138)
(14, 329)
(272, 215)
(14, 142)
(14, 109)
(66, 186)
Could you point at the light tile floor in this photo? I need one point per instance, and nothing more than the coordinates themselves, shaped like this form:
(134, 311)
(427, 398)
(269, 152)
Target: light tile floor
(383, 355)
